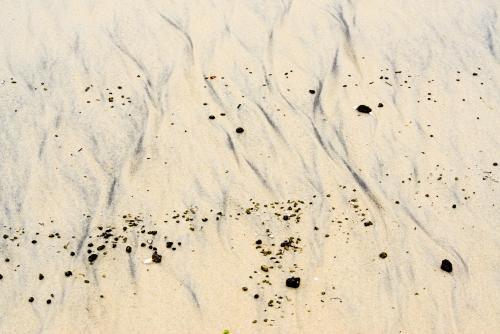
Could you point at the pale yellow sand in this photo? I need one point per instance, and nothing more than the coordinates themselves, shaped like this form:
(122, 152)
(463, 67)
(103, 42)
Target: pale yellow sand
(75, 158)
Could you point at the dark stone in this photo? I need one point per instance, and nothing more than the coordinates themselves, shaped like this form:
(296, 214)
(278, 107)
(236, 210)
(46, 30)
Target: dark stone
(239, 130)
(312, 91)
(285, 217)
(211, 117)
(259, 242)
(293, 282)
(101, 247)
(31, 299)
(380, 105)
(368, 223)
(1, 276)
(92, 257)
(156, 257)
(49, 301)
(169, 244)
(383, 255)
(68, 273)
(40, 277)
(446, 266)
(128, 249)
(364, 109)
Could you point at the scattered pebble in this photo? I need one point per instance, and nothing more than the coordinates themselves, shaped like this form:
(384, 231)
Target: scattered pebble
(364, 109)
(293, 282)
(446, 266)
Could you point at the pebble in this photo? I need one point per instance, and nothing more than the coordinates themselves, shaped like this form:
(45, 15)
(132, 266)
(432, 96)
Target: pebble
(364, 109)
(446, 266)
(31, 299)
(156, 257)
(312, 91)
(293, 282)
(128, 249)
(92, 257)
(68, 273)
(239, 130)
(383, 255)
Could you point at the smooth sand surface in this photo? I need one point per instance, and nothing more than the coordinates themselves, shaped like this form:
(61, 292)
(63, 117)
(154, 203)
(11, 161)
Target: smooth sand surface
(119, 145)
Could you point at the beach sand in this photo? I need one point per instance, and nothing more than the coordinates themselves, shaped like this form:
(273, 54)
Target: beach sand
(178, 166)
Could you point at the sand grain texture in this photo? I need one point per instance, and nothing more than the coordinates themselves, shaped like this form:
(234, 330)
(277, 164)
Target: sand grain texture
(165, 163)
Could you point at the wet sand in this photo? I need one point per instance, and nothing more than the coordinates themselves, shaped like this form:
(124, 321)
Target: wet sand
(249, 167)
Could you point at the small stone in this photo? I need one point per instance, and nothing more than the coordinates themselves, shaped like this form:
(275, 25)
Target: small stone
(446, 266)
(31, 299)
(312, 91)
(364, 109)
(128, 249)
(264, 268)
(156, 257)
(239, 130)
(40, 277)
(495, 164)
(258, 242)
(211, 117)
(380, 105)
(49, 301)
(368, 223)
(92, 257)
(68, 273)
(1, 276)
(293, 282)
(169, 244)
(383, 255)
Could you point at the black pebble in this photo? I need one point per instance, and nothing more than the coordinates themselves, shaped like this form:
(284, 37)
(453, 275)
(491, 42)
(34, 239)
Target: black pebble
(293, 282)
(211, 117)
(92, 257)
(239, 130)
(364, 109)
(1, 276)
(380, 105)
(72, 253)
(169, 244)
(40, 277)
(258, 242)
(156, 257)
(383, 255)
(128, 249)
(368, 223)
(312, 91)
(31, 299)
(49, 301)
(446, 266)
(68, 273)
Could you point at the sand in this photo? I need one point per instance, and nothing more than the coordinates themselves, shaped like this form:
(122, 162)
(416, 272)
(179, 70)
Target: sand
(178, 166)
